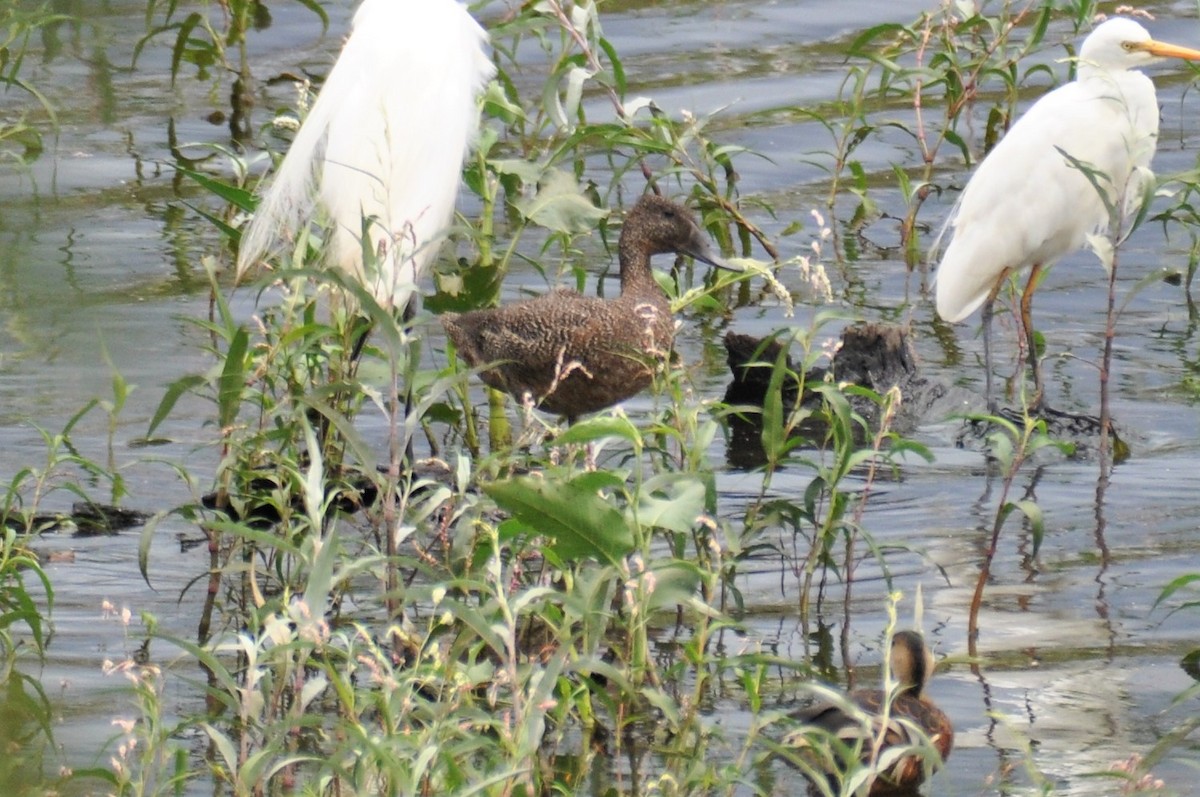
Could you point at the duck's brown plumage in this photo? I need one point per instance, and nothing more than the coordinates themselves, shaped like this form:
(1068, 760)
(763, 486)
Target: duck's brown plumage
(577, 354)
(912, 665)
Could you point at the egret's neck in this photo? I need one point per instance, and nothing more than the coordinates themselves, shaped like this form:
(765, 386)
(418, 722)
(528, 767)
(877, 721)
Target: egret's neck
(1089, 70)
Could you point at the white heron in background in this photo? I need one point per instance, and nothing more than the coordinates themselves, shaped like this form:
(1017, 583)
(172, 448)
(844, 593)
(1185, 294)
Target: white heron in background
(382, 147)
(1027, 204)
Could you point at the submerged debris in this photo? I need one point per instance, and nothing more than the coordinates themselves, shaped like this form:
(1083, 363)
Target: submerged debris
(879, 357)
(1080, 433)
(86, 519)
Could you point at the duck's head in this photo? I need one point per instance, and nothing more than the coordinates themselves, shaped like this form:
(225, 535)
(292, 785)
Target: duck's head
(911, 662)
(656, 225)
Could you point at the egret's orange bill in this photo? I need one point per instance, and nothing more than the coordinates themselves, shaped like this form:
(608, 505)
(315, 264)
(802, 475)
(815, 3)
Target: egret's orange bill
(1164, 50)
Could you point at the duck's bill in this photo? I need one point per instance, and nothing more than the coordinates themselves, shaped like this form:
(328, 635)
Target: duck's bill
(701, 250)
(725, 264)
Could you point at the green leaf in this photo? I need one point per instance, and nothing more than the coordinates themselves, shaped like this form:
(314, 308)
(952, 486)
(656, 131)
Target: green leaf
(671, 501)
(181, 41)
(320, 579)
(598, 428)
(561, 206)
(581, 523)
(869, 36)
(675, 584)
(526, 171)
(233, 379)
(617, 69)
(316, 8)
(1037, 525)
(238, 197)
(174, 391)
(1175, 586)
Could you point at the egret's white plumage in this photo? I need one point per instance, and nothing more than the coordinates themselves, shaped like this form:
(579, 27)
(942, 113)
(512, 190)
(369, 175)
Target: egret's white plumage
(1027, 204)
(384, 141)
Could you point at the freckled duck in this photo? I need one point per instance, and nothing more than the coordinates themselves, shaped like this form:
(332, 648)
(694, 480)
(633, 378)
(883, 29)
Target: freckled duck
(576, 354)
(911, 665)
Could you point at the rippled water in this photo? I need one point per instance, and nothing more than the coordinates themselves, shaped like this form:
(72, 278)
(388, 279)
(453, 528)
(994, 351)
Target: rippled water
(100, 268)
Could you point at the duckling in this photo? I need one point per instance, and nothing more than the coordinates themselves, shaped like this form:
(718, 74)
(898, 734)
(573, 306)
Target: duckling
(575, 354)
(858, 724)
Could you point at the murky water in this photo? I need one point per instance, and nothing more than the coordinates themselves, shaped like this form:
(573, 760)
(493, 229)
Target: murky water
(99, 272)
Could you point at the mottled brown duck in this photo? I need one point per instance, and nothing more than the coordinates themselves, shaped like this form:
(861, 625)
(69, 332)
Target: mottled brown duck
(574, 354)
(911, 665)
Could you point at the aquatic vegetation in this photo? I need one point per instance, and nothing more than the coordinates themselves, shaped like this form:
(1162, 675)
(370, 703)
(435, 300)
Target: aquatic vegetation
(21, 137)
(512, 610)
(28, 596)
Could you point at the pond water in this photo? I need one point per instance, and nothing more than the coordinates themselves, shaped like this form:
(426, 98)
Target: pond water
(100, 273)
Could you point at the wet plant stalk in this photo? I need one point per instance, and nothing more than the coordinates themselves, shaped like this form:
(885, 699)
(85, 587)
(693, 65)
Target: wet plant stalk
(984, 574)
(1110, 330)
(1004, 509)
(891, 403)
(499, 430)
(391, 514)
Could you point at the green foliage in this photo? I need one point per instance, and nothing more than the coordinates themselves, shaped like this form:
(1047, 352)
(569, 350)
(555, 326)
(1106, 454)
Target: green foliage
(27, 595)
(1010, 445)
(21, 137)
(510, 608)
(201, 39)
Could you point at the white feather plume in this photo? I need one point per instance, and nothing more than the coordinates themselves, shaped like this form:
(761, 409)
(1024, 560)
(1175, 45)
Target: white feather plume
(384, 142)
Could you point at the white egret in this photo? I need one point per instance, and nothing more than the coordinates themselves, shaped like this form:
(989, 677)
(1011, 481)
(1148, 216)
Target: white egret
(382, 145)
(1028, 204)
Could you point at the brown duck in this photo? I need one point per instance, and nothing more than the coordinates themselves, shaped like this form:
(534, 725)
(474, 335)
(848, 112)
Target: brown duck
(575, 354)
(911, 665)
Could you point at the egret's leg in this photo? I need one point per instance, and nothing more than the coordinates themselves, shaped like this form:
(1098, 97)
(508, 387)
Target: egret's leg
(985, 316)
(1035, 362)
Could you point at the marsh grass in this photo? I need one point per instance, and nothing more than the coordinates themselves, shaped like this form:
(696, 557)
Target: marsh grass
(27, 593)
(22, 135)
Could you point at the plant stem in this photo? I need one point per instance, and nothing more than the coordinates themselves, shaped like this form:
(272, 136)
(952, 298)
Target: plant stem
(1002, 512)
(1110, 330)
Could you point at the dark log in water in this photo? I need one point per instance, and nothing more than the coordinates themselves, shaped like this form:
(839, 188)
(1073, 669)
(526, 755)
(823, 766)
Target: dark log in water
(254, 502)
(878, 357)
(1079, 432)
(86, 519)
